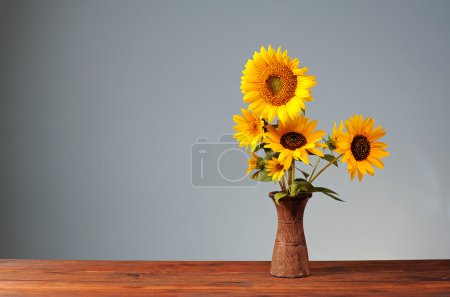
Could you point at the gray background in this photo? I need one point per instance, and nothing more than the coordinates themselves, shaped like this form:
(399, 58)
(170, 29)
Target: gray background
(102, 100)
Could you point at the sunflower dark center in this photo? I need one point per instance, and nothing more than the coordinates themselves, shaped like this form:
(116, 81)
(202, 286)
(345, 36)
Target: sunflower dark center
(277, 84)
(293, 140)
(274, 84)
(279, 167)
(360, 147)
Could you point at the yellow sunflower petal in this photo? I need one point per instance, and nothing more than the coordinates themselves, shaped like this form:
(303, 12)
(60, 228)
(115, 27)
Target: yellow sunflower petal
(315, 152)
(375, 162)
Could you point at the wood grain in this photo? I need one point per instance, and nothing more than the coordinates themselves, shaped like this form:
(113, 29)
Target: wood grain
(172, 278)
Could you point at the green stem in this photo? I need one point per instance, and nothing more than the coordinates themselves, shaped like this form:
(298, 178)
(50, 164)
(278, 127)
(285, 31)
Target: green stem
(292, 169)
(315, 167)
(289, 176)
(286, 183)
(283, 187)
(324, 168)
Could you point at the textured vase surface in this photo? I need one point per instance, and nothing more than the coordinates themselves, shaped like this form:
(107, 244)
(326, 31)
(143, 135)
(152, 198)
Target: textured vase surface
(290, 253)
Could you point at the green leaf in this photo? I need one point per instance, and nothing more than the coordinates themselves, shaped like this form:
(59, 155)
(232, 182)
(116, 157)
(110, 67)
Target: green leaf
(294, 189)
(305, 174)
(324, 190)
(330, 158)
(300, 185)
(278, 196)
(259, 146)
(328, 192)
(334, 197)
(270, 154)
(262, 175)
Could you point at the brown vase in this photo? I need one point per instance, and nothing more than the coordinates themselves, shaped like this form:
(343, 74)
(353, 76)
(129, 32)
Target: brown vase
(290, 254)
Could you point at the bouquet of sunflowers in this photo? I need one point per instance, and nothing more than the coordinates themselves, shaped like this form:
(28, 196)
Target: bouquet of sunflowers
(283, 141)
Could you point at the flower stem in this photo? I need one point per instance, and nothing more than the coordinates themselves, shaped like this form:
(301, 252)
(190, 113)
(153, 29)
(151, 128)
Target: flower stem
(292, 169)
(324, 168)
(315, 167)
(289, 176)
(286, 183)
(281, 182)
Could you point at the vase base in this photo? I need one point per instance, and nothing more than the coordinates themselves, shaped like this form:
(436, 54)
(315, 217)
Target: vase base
(290, 276)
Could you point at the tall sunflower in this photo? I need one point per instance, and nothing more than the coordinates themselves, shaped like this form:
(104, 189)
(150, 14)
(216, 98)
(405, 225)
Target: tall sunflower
(274, 85)
(360, 146)
(249, 129)
(275, 168)
(294, 139)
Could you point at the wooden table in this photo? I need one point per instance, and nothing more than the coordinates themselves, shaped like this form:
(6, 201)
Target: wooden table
(180, 278)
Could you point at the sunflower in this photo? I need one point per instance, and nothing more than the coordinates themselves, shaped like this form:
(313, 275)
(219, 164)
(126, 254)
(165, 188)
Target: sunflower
(294, 139)
(249, 129)
(274, 85)
(253, 162)
(360, 147)
(275, 168)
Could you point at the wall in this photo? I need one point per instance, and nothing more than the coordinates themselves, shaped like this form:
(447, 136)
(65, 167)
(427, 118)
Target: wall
(101, 102)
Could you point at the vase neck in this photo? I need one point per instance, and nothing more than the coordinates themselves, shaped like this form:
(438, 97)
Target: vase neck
(291, 210)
